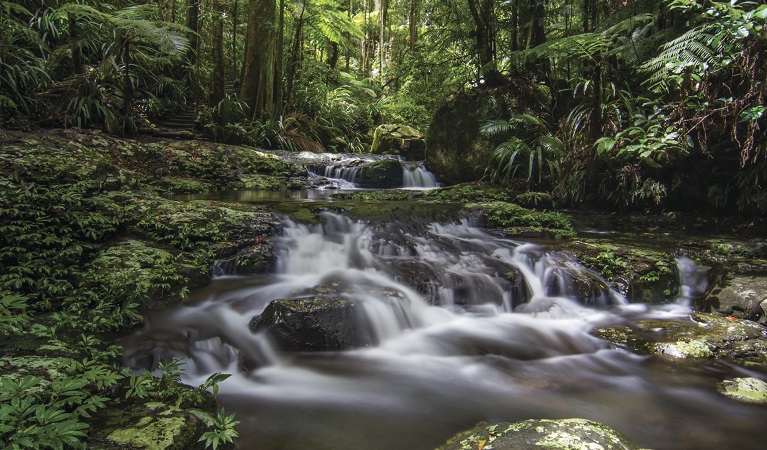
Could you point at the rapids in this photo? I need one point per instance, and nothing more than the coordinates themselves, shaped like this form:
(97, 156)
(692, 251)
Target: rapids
(467, 327)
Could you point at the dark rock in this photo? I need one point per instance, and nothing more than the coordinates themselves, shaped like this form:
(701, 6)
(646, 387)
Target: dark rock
(742, 296)
(454, 146)
(402, 140)
(382, 174)
(541, 434)
(319, 323)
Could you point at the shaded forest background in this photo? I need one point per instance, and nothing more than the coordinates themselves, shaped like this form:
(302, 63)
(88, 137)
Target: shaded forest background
(647, 103)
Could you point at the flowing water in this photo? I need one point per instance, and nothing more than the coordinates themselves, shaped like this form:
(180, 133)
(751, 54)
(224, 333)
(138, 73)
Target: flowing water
(465, 326)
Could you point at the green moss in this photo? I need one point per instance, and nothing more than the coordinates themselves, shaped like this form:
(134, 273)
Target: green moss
(262, 183)
(468, 192)
(695, 348)
(518, 220)
(256, 162)
(156, 426)
(749, 390)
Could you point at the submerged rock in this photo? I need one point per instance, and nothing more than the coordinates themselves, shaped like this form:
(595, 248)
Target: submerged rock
(749, 390)
(697, 336)
(541, 434)
(318, 323)
(397, 139)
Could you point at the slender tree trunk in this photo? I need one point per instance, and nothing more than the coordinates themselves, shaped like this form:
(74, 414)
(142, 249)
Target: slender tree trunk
(279, 68)
(192, 22)
(413, 25)
(77, 57)
(258, 72)
(217, 47)
(127, 84)
(364, 49)
(382, 13)
(235, 11)
(537, 22)
(294, 55)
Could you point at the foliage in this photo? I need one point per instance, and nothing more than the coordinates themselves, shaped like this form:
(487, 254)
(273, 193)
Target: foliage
(537, 153)
(43, 411)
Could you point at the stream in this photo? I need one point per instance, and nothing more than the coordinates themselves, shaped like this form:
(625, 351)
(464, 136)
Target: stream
(462, 325)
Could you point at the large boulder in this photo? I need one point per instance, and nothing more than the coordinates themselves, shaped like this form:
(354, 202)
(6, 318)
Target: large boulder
(541, 434)
(382, 174)
(402, 140)
(742, 296)
(317, 323)
(456, 152)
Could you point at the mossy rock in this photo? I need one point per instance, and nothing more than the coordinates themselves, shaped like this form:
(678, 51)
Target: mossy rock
(643, 274)
(518, 221)
(748, 390)
(262, 183)
(740, 296)
(153, 425)
(697, 336)
(454, 146)
(468, 193)
(397, 139)
(536, 434)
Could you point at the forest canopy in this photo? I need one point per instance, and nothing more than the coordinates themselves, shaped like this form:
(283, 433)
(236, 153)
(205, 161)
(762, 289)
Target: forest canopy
(644, 103)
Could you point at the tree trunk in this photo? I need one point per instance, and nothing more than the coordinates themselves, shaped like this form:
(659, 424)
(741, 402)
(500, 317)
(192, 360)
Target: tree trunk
(482, 11)
(258, 72)
(217, 48)
(537, 19)
(192, 21)
(294, 55)
(278, 70)
(235, 11)
(382, 22)
(414, 10)
(77, 57)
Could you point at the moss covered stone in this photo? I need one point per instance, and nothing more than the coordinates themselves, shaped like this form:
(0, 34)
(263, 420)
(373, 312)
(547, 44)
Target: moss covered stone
(149, 426)
(697, 336)
(518, 221)
(749, 390)
(468, 193)
(541, 434)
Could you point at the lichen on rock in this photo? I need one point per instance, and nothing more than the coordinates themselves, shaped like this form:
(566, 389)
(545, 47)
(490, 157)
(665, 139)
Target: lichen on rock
(549, 434)
(749, 390)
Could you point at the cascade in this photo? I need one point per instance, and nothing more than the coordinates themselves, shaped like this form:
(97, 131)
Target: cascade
(465, 326)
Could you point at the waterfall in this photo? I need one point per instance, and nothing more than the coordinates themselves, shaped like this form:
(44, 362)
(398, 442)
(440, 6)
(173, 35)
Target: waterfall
(466, 326)
(415, 175)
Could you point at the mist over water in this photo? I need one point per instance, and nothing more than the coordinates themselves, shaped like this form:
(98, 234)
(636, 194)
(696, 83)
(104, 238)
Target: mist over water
(466, 326)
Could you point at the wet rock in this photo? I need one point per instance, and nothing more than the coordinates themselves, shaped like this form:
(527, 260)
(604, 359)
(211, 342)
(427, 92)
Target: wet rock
(151, 426)
(741, 296)
(319, 323)
(541, 434)
(382, 174)
(257, 259)
(696, 336)
(397, 139)
(641, 273)
(749, 390)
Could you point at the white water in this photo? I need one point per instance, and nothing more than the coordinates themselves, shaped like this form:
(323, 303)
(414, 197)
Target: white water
(449, 349)
(342, 171)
